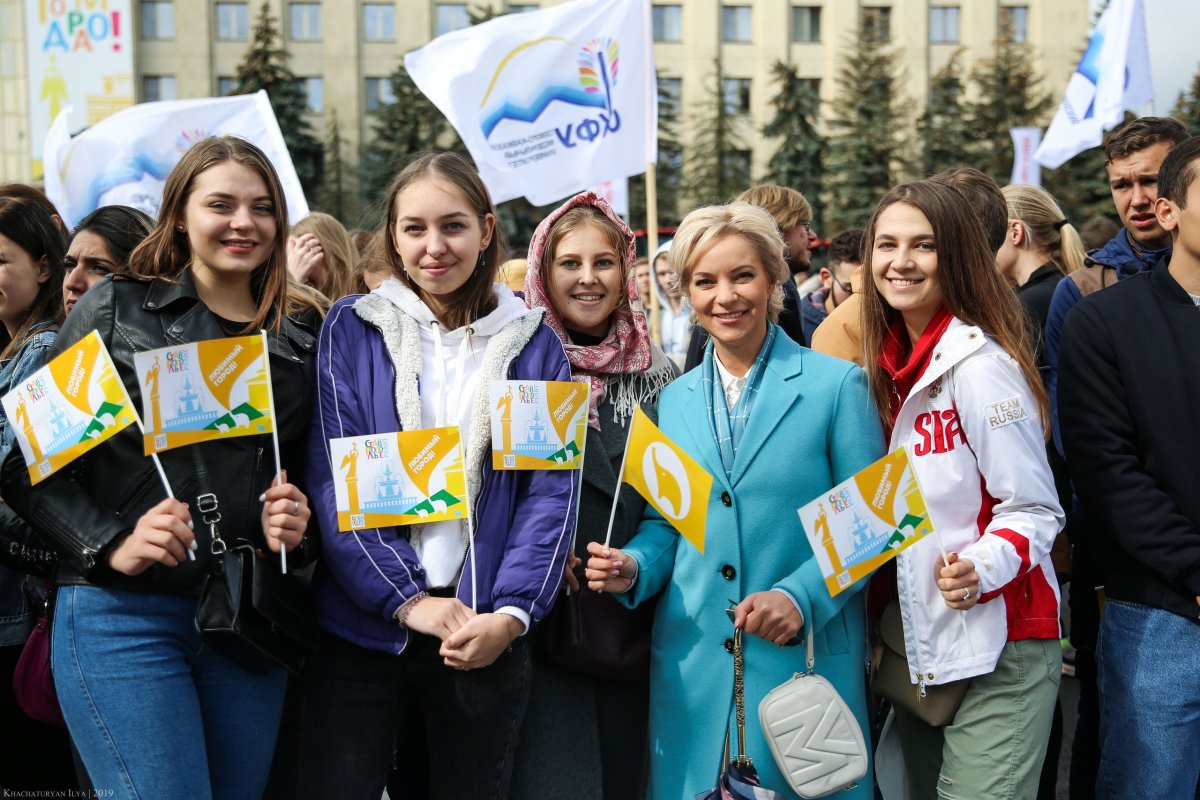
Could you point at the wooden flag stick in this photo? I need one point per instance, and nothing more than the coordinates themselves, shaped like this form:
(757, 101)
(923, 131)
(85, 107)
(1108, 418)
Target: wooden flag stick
(274, 436)
(651, 246)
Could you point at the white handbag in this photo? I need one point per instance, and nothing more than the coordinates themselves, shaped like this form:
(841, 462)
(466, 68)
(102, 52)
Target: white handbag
(812, 734)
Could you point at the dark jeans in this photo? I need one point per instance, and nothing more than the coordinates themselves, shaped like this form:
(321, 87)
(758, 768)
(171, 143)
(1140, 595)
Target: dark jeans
(355, 700)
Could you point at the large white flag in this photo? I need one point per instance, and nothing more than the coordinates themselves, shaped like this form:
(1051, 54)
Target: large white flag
(1112, 76)
(549, 102)
(125, 158)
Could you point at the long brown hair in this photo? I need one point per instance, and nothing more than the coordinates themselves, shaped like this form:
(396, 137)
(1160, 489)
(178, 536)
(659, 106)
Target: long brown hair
(30, 226)
(475, 298)
(972, 287)
(165, 253)
(341, 257)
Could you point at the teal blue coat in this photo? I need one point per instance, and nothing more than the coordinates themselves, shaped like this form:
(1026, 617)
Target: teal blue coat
(812, 425)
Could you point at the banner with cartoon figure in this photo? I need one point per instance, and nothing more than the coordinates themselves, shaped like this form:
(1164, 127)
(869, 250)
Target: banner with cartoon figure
(552, 101)
(670, 480)
(399, 478)
(538, 424)
(864, 522)
(68, 407)
(195, 392)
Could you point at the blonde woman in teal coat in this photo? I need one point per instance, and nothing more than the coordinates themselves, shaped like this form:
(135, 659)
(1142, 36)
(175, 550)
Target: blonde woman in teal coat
(776, 425)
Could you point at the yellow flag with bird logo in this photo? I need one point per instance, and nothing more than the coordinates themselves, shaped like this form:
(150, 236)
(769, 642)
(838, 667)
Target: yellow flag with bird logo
(668, 478)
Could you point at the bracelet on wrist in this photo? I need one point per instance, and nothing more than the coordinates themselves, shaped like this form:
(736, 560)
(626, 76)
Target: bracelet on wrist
(406, 609)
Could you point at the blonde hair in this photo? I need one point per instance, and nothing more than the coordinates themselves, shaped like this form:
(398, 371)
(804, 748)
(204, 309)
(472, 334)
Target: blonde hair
(1045, 226)
(341, 259)
(788, 207)
(705, 225)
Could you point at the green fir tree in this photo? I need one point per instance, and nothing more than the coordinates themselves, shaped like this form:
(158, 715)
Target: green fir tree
(1008, 94)
(403, 129)
(668, 172)
(867, 130)
(799, 160)
(1187, 105)
(718, 163)
(265, 66)
(338, 195)
(942, 129)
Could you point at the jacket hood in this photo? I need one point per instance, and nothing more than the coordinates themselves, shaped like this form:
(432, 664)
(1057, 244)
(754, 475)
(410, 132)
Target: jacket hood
(508, 307)
(660, 292)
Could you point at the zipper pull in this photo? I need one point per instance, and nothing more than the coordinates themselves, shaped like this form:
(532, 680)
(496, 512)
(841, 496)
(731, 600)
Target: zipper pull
(920, 687)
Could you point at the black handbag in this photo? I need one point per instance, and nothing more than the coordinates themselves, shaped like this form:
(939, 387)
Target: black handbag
(592, 633)
(249, 611)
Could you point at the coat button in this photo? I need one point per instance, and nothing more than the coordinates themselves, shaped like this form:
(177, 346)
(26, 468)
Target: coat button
(729, 645)
(729, 572)
(726, 499)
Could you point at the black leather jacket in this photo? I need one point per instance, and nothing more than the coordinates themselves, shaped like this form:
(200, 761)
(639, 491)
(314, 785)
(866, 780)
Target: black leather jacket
(90, 505)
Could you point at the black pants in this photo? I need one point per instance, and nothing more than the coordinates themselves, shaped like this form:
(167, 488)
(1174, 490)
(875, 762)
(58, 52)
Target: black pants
(356, 699)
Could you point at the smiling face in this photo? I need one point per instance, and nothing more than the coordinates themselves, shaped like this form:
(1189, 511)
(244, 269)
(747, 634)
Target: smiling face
(730, 288)
(20, 279)
(585, 280)
(230, 222)
(1133, 180)
(88, 260)
(904, 265)
(439, 238)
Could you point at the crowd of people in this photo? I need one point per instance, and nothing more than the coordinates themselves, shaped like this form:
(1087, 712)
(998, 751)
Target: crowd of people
(1044, 394)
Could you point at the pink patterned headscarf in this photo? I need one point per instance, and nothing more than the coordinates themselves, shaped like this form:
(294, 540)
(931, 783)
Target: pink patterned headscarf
(626, 349)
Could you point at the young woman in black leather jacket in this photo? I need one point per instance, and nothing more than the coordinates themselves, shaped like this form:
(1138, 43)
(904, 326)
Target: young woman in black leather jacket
(153, 711)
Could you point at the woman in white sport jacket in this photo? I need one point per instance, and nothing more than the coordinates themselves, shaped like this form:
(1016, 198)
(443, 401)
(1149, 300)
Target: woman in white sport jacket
(954, 378)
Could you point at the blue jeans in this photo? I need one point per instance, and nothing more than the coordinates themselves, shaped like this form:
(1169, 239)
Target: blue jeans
(1148, 664)
(154, 713)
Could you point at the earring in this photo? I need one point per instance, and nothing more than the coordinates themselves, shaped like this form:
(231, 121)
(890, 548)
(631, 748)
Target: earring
(179, 228)
(479, 263)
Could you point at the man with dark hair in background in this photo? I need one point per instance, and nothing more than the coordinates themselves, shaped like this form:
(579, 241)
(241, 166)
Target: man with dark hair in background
(845, 256)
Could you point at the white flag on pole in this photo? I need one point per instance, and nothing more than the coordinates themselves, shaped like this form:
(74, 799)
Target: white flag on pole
(125, 158)
(1112, 76)
(1026, 169)
(549, 102)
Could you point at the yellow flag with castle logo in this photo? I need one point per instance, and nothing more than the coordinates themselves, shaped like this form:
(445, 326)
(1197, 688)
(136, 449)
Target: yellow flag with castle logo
(68, 407)
(199, 391)
(668, 478)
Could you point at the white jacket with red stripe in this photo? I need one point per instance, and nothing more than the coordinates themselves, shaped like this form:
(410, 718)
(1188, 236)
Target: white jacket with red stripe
(974, 437)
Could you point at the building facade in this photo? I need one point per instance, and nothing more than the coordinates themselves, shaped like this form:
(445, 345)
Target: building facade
(344, 50)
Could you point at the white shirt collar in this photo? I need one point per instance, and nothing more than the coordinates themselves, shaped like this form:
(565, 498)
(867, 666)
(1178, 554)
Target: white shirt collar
(732, 384)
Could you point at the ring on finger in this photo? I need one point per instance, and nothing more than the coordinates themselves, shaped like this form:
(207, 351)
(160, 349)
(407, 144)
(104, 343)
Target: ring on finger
(966, 594)
(295, 507)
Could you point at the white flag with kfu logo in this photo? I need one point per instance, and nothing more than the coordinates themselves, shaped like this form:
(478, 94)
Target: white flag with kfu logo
(549, 102)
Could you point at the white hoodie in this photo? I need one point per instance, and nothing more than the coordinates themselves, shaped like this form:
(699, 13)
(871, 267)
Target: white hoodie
(450, 362)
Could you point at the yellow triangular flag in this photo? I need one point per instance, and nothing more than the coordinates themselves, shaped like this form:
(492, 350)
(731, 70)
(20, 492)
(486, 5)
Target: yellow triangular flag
(668, 478)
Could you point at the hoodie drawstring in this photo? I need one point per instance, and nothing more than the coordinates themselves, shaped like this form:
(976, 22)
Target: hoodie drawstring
(448, 389)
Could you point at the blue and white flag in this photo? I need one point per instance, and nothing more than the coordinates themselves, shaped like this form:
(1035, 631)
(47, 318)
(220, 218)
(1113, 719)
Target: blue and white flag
(549, 102)
(1112, 76)
(125, 158)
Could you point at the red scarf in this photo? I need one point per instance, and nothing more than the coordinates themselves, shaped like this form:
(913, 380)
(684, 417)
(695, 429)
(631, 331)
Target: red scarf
(906, 364)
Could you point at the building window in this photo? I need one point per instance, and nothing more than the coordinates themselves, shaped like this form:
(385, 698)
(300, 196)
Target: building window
(806, 24)
(813, 84)
(877, 22)
(158, 20)
(451, 17)
(1016, 19)
(735, 23)
(225, 85)
(305, 21)
(314, 94)
(523, 8)
(670, 94)
(158, 87)
(379, 93)
(943, 25)
(379, 22)
(735, 94)
(232, 22)
(738, 162)
(668, 23)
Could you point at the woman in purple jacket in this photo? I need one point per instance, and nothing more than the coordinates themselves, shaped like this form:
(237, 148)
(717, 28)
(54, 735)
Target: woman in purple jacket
(413, 639)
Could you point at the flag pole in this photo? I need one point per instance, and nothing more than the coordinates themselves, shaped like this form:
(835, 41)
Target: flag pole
(162, 473)
(651, 247)
(579, 490)
(274, 435)
(620, 478)
(962, 618)
(470, 536)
